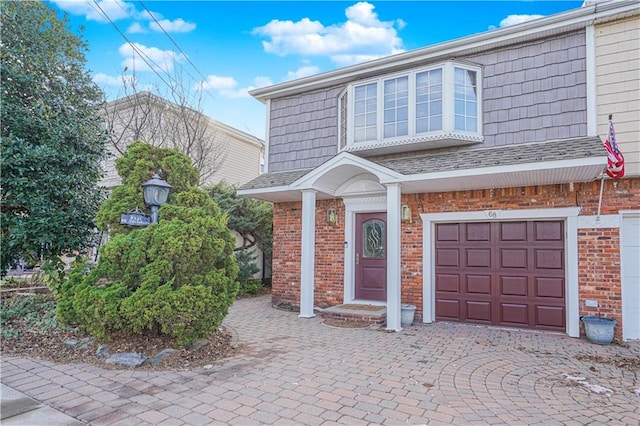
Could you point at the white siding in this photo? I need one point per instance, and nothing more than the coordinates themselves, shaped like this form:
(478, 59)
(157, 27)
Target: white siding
(618, 86)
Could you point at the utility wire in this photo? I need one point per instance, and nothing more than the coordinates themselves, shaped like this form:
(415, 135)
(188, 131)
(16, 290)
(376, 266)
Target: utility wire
(142, 55)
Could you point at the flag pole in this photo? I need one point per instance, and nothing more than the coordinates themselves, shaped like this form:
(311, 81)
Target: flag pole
(602, 181)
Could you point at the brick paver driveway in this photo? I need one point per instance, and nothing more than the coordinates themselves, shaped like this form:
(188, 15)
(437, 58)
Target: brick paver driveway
(300, 371)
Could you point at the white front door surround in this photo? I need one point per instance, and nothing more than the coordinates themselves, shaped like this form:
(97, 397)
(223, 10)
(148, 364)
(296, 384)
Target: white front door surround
(391, 205)
(569, 215)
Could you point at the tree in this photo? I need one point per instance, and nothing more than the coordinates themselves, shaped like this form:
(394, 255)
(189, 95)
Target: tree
(252, 220)
(176, 277)
(174, 122)
(52, 137)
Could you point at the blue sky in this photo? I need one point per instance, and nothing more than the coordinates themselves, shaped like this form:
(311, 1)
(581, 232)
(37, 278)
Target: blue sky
(230, 47)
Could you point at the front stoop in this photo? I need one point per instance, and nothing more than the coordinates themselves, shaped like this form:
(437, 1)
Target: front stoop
(356, 315)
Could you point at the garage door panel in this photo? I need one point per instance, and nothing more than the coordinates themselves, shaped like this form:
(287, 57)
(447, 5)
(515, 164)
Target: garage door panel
(550, 317)
(479, 311)
(448, 232)
(513, 286)
(479, 284)
(502, 273)
(513, 231)
(478, 258)
(513, 258)
(448, 257)
(549, 259)
(548, 231)
(514, 314)
(549, 287)
(448, 309)
(478, 231)
(449, 283)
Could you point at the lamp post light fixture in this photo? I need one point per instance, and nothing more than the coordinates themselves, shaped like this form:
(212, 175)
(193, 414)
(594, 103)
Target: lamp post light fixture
(156, 192)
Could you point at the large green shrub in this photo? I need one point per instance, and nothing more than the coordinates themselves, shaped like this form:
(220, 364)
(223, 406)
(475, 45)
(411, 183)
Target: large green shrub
(176, 277)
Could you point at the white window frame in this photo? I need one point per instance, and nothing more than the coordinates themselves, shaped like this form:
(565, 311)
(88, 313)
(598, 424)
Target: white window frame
(448, 131)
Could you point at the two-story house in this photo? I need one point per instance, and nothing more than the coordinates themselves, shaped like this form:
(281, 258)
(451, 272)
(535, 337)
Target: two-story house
(464, 178)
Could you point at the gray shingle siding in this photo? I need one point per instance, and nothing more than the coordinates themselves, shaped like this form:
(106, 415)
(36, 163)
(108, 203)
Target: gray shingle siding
(532, 92)
(303, 131)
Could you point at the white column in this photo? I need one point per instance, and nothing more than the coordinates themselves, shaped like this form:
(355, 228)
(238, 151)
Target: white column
(393, 257)
(307, 265)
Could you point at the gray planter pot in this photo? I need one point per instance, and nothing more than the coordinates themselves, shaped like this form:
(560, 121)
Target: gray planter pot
(406, 314)
(599, 329)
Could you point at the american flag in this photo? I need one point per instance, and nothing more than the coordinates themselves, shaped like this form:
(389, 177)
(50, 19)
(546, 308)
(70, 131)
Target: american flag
(615, 160)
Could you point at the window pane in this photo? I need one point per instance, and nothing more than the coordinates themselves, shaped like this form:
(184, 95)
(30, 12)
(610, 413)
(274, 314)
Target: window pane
(421, 125)
(389, 116)
(360, 107)
(435, 123)
(372, 133)
(403, 114)
(403, 128)
(466, 98)
(360, 135)
(359, 121)
(436, 107)
(389, 130)
(428, 92)
(371, 119)
(373, 238)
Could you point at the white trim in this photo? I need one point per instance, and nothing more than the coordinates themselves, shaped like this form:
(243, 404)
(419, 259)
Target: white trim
(307, 253)
(569, 214)
(596, 160)
(394, 248)
(267, 137)
(592, 89)
(630, 293)
(311, 179)
(597, 222)
(353, 206)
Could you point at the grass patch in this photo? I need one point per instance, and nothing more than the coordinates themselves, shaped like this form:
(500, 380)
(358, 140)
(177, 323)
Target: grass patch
(29, 314)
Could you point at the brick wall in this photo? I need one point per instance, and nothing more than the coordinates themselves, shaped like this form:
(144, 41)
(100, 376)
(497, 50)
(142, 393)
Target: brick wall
(598, 249)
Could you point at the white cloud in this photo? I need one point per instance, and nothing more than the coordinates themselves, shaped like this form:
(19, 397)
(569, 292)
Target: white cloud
(218, 83)
(108, 80)
(176, 26)
(362, 36)
(302, 72)
(114, 9)
(161, 60)
(136, 28)
(518, 19)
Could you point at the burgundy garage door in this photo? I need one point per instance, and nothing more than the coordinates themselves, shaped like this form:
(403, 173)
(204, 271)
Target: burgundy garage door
(501, 273)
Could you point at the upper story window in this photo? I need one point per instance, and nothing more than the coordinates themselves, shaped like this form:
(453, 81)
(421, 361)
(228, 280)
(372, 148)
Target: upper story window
(439, 104)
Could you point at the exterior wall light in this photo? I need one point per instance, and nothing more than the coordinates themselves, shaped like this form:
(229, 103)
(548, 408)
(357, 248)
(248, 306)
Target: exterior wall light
(406, 213)
(156, 193)
(332, 217)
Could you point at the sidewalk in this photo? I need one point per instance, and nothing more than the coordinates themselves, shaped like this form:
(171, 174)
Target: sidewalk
(18, 409)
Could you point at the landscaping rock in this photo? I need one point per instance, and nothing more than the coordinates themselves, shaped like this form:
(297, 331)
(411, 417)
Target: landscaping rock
(197, 344)
(103, 351)
(130, 359)
(155, 360)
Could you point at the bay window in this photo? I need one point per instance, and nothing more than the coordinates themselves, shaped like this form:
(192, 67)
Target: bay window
(440, 105)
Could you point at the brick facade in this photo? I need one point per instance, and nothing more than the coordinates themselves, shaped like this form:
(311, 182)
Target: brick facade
(598, 249)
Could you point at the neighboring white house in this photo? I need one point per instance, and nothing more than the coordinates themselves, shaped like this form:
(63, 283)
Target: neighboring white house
(221, 152)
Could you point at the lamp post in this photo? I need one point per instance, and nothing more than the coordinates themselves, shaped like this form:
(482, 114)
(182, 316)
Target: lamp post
(156, 192)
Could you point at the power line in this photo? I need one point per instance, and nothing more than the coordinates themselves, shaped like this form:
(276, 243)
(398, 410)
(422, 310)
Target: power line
(172, 41)
(142, 55)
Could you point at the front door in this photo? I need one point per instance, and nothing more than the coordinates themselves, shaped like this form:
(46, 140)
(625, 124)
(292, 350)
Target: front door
(371, 256)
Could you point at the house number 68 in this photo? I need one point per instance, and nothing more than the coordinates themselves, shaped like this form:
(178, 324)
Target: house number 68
(492, 214)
